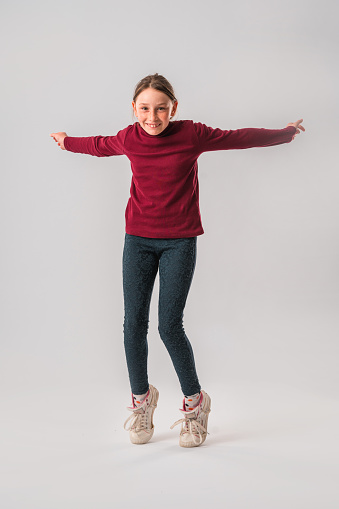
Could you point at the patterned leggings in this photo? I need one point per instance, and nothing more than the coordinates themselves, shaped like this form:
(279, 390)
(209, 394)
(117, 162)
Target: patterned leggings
(175, 258)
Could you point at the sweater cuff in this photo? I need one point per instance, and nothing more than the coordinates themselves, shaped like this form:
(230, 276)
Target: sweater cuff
(291, 127)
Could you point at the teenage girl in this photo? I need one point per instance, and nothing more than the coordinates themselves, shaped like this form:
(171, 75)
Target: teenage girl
(162, 224)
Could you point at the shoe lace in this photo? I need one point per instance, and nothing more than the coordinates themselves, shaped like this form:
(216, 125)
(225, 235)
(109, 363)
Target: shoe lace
(139, 420)
(191, 425)
(139, 417)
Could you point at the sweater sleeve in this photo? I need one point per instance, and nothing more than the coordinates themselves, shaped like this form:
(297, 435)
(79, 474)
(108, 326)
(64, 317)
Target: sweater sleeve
(100, 146)
(209, 139)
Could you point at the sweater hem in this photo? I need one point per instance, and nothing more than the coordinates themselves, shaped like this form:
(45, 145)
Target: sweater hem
(165, 235)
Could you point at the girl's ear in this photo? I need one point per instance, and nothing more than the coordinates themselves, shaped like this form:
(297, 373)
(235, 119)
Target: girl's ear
(174, 109)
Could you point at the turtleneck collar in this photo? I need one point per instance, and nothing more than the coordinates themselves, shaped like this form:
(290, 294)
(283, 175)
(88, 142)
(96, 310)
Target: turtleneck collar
(163, 133)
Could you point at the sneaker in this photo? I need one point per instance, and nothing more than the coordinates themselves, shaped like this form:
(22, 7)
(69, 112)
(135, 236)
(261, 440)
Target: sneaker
(141, 428)
(194, 423)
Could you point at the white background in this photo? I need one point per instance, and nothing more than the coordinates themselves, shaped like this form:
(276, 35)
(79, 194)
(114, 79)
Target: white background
(262, 312)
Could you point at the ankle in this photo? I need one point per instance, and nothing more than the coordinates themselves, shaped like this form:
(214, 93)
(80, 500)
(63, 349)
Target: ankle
(190, 402)
(138, 399)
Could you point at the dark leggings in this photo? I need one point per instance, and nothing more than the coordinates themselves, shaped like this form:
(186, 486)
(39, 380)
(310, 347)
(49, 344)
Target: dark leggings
(175, 258)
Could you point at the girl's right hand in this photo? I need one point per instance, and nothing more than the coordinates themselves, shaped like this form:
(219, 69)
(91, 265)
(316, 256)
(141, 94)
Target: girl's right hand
(59, 138)
(298, 126)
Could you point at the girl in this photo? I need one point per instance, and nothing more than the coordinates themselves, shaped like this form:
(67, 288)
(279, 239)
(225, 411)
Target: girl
(162, 224)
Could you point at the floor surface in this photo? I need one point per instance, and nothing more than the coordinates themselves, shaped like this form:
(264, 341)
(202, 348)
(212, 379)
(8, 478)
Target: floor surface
(271, 448)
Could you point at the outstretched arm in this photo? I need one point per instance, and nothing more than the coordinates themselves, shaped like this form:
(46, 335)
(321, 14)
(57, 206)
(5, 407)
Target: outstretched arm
(209, 139)
(100, 146)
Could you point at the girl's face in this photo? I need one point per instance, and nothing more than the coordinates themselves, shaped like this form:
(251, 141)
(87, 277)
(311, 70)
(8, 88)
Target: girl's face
(153, 109)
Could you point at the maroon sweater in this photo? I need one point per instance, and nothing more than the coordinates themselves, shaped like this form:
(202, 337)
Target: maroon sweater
(164, 194)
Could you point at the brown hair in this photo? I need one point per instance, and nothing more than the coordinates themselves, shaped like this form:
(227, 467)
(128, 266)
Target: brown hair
(156, 81)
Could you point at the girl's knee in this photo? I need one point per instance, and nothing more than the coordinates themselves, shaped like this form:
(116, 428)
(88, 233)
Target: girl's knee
(135, 326)
(171, 330)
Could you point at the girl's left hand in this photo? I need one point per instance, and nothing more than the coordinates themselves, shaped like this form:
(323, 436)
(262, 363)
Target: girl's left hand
(298, 126)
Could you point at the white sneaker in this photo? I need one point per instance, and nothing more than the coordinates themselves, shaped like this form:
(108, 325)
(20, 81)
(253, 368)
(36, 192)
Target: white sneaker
(141, 428)
(194, 423)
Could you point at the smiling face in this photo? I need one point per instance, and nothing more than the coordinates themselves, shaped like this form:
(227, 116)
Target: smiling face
(154, 110)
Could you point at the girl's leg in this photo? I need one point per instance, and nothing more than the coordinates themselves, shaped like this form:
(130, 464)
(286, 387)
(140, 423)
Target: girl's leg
(176, 269)
(140, 267)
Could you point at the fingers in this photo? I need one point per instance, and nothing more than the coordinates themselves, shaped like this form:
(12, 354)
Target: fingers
(297, 125)
(298, 122)
(54, 136)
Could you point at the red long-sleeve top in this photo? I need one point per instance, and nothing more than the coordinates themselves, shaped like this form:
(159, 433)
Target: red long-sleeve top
(164, 193)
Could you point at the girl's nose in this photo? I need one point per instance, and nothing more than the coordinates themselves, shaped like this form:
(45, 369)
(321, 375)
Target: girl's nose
(153, 115)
